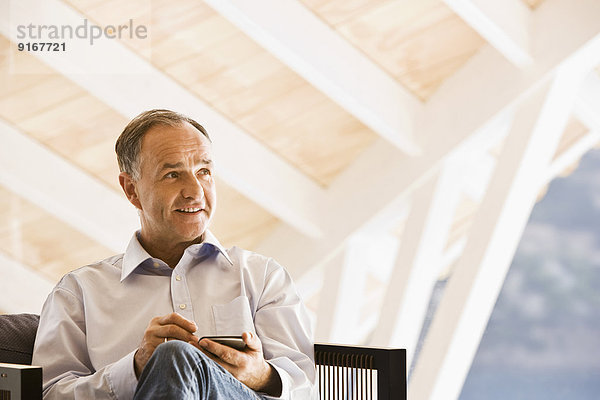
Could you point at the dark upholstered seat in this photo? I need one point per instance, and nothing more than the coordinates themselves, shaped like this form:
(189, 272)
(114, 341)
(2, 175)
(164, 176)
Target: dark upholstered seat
(17, 334)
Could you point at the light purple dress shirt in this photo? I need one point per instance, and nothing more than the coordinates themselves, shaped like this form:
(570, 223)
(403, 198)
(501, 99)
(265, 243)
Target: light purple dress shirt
(94, 319)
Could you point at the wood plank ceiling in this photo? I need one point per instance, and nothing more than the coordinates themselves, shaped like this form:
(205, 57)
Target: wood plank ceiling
(218, 63)
(420, 43)
(36, 239)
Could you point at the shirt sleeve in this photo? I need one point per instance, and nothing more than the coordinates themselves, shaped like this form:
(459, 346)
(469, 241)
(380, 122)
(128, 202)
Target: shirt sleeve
(284, 328)
(60, 348)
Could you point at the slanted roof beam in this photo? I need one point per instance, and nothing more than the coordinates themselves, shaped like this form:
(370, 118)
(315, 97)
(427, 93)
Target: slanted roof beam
(505, 26)
(318, 53)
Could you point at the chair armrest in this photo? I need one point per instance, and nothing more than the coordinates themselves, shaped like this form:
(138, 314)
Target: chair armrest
(20, 382)
(344, 369)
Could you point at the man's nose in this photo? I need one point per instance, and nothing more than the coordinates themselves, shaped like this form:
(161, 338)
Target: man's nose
(192, 188)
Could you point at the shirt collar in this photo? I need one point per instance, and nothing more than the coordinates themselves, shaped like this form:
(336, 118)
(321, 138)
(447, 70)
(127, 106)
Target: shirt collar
(209, 238)
(135, 254)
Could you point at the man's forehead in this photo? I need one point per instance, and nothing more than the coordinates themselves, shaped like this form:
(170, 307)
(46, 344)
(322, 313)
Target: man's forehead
(176, 157)
(181, 164)
(175, 144)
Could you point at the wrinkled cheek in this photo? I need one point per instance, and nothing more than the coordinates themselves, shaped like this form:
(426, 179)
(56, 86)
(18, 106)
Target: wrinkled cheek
(213, 204)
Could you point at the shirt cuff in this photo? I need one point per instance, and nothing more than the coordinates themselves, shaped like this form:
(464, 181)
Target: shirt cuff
(285, 384)
(122, 377)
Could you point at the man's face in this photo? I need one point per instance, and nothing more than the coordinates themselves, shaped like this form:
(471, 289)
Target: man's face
(176, 190)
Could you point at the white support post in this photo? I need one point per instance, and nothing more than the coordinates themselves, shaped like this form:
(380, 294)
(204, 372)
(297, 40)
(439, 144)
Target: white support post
(318, 53)
(473, 288)
(587, 105)
(419, 260)
(344, 292)
(333, 270)
(462, 105)
(15, 277)
(505, 26)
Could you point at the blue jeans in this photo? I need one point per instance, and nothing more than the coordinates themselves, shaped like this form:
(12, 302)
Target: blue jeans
(179, 371)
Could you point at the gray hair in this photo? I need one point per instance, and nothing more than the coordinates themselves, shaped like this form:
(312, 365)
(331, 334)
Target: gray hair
(129, 143)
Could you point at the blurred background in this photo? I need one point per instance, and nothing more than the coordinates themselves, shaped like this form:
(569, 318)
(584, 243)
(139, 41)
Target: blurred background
(423, 168)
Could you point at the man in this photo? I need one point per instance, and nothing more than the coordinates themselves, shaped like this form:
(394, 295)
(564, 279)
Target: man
(129, 326)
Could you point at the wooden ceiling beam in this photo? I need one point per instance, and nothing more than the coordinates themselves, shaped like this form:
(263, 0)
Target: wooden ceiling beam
(505, 26)
(64, 190)
(313, 49)
(130, 84)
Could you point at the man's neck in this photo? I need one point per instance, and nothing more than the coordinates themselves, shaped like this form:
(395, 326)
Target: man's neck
(168, 252)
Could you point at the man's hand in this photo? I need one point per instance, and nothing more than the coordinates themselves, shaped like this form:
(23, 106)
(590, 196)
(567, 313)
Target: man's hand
(248, 366)
(170, 326)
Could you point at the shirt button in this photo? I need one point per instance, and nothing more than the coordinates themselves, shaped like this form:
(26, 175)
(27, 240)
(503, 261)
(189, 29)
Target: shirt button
(178, 278)
(182, 306)
(156, 264)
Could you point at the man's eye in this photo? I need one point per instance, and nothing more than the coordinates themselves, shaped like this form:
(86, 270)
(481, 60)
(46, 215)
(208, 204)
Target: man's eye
(204, 171)
(171, 175)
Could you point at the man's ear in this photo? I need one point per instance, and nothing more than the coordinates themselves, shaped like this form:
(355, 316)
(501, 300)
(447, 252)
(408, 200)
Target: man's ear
(128, 186)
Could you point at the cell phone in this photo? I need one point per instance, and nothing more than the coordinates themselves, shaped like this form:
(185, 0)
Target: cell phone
(235, 342)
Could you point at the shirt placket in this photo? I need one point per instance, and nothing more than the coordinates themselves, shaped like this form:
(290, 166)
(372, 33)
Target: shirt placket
(180, 294)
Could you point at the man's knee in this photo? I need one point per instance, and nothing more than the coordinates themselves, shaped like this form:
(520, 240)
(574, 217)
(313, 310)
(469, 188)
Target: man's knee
(176, 358)
(172, 347)
(177, 350)
(190, 372)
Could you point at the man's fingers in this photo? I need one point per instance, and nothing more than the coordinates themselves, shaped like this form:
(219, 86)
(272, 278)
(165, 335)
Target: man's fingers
(212, 347)
(171, 326)
(173, 332)
(229, 367)
(252, 341)
(248, 366)
(179, 320)
(224, 353)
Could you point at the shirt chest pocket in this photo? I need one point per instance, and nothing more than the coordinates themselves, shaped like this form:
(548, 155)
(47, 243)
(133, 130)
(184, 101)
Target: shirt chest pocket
(234, 317)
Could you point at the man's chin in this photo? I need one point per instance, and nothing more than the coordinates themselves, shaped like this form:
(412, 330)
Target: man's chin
(192, 237)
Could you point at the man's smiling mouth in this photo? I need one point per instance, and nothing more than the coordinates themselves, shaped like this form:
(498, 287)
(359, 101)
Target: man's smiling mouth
(189, 210)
